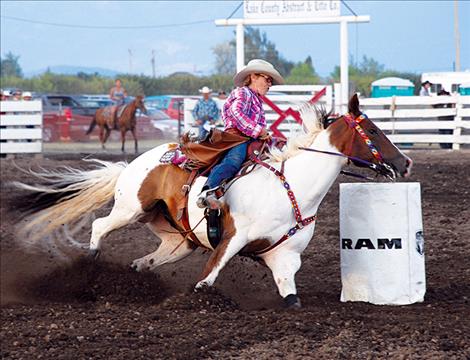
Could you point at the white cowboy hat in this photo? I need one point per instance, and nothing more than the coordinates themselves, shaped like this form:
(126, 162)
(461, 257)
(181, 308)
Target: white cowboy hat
(205, 90)
(27, 94)
(258, 66)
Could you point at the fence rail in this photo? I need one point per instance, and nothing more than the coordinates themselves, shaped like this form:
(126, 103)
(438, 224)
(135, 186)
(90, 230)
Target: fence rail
(20, 127)
(409, 120)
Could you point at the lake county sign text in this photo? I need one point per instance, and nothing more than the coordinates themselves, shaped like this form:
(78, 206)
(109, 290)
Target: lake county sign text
(255, 9)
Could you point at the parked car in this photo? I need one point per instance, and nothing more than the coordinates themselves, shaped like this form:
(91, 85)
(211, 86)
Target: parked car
(170, 104)
(166, 127)
(66, 118)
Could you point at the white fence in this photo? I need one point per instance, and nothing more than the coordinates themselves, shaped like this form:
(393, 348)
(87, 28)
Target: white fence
(407, 120)
(20, 127)
(283, 96)
(422, 120)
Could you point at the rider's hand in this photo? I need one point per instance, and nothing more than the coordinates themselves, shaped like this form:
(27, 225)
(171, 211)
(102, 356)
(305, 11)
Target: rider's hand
(264, 135)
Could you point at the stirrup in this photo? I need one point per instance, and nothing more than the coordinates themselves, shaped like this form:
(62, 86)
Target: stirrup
(208, 199)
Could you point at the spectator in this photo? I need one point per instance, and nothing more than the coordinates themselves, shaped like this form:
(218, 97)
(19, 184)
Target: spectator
(222, 95)
(425, 86)
(27, 96)
(16, 95)
(205, 112)
(6, 94)
(443, 92)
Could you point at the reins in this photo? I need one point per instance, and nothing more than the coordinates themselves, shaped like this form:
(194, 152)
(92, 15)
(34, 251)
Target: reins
(380, 169)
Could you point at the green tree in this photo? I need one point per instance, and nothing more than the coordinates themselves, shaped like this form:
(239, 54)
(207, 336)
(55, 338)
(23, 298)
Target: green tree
(257, 46)
(225, 58)
(361, 76)
(303, 73)
(9, 66)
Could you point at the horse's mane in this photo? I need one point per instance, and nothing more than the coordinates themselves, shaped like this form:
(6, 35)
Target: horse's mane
(313, 122)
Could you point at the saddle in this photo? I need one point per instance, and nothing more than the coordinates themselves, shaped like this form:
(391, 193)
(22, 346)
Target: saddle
(113, 112)
(197, 158)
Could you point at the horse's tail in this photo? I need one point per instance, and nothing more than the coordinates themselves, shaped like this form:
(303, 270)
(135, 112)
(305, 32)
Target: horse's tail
(92, 125)
(66, 195)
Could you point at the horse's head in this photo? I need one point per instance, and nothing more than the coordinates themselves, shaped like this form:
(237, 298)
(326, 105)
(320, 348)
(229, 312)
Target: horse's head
(139, 103)
(356, 136)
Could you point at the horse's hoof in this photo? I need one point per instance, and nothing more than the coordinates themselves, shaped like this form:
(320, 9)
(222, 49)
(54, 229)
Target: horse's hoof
(292, 301)
(94, 254)
(201, 285)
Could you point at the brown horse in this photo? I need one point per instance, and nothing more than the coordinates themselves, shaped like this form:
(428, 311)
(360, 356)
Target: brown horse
(119, 118)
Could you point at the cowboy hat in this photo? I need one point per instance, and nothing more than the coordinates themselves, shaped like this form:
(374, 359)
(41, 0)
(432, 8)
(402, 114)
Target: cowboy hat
(205, 90)
(426, 82)
(258, 66)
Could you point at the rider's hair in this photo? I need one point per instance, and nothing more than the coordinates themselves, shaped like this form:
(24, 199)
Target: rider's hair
(247, 80)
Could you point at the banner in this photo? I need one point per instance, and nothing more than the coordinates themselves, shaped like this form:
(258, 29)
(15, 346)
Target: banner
(284, 9)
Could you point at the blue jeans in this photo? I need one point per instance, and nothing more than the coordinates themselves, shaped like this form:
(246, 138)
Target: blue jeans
(228, 166)
(202, 132)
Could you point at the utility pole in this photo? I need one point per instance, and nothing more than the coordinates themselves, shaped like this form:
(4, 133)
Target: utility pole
(456, 35)
(130, 61)
(153, 63)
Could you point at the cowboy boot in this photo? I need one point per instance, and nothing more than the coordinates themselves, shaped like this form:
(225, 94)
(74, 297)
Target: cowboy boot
(208, 199)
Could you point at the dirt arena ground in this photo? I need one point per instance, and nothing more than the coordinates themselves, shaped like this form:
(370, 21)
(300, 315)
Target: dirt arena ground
(52, 309)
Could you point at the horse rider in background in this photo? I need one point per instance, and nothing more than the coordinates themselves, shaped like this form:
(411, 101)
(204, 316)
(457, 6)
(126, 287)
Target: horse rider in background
(118, 94)
(206, 112)
(242, 114)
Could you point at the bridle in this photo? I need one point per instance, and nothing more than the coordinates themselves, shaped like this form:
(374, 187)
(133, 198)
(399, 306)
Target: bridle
(381, 168)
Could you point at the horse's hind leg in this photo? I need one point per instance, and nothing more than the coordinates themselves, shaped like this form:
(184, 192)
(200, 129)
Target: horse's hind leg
(227, 248)
(172, 248)
(117, 218)
(284, 264)
(106, 134)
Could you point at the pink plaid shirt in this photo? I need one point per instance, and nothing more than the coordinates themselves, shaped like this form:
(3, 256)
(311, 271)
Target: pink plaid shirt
(243, 110)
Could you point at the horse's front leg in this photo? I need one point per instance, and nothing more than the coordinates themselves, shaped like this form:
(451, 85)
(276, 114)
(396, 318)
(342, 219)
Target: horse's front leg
(284, 264)
(123, 138)
(102, 137)
(227, 248)
(135, 139)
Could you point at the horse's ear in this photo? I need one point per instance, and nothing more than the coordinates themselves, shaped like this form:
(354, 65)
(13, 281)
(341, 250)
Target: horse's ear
(353, 105)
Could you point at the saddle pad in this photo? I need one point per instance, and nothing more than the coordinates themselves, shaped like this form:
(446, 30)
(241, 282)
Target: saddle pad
(167, 158)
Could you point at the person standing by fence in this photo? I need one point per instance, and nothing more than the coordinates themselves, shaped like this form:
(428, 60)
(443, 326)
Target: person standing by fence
(443, 92)
(424, 91)
(205, 112)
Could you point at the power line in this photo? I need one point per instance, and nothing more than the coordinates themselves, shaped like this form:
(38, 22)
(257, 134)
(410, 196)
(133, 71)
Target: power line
(352, 11)
(234, 11)
(101, 27)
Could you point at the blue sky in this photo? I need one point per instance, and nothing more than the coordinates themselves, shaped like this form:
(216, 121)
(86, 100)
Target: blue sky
(416, 36)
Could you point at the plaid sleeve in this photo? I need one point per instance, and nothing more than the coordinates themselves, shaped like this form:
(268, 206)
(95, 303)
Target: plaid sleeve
(245, 120)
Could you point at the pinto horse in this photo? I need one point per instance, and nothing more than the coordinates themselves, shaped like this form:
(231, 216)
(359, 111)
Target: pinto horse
(123, 117)
(257, 213)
